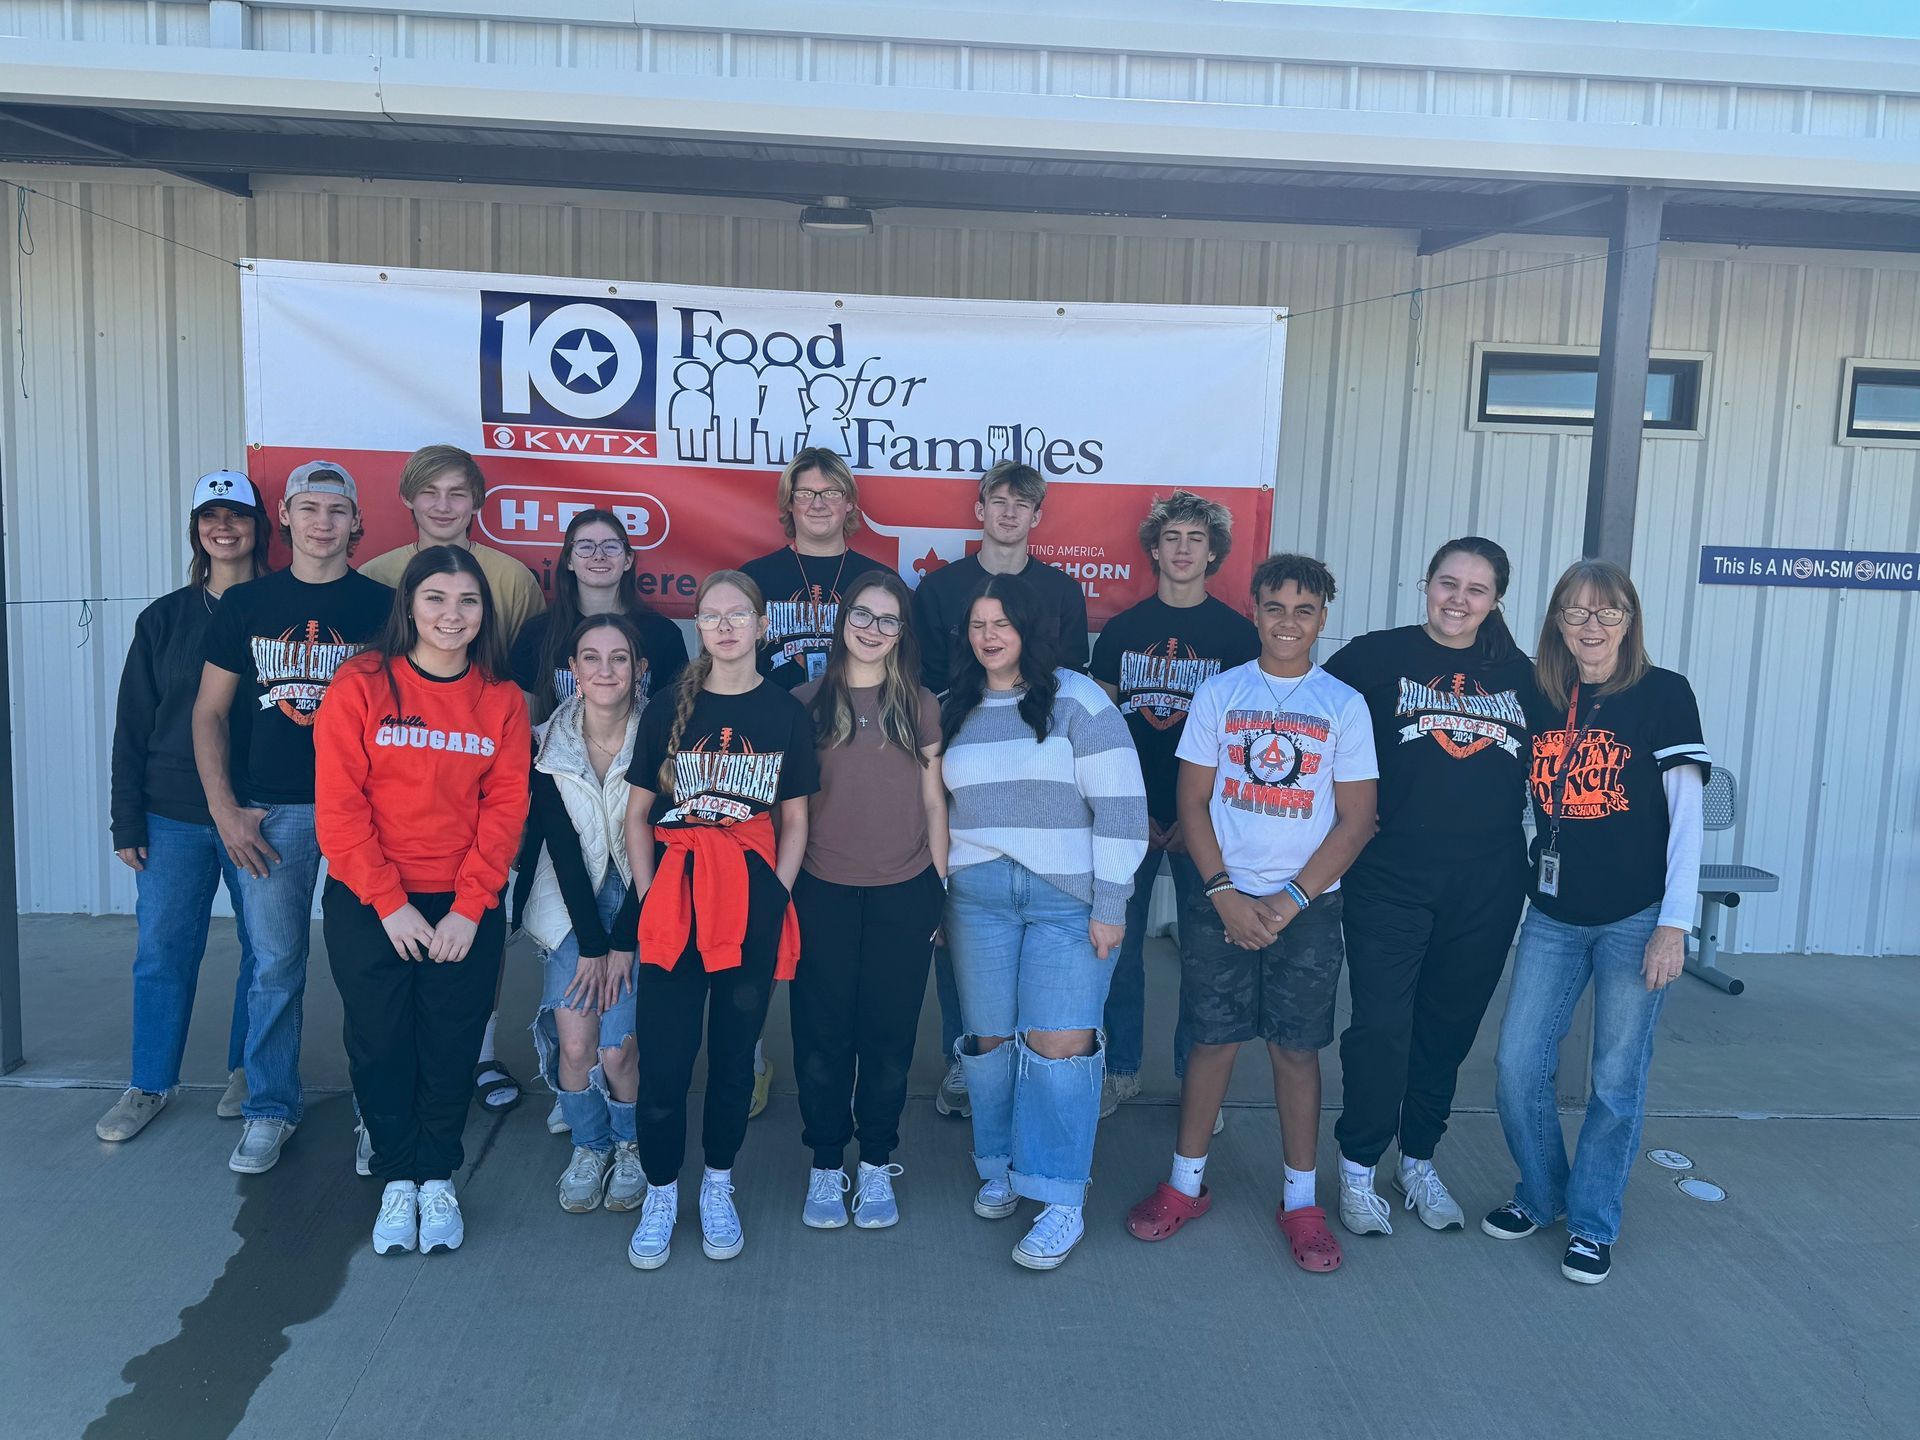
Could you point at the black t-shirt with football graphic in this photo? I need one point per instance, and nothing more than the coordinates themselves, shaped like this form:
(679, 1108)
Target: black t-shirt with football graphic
(1450, 731)
(1156, 655)
(739, 756)
(803, 594)
(284, 638)
(1612, 803)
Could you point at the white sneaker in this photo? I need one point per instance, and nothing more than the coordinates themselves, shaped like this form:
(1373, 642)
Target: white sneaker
(652, 1240)
(1362, 1210)
(1056, 1230)
(951, 1097)
(720, 1233)
(441, 1227)
(584, 1181)
(362, 1151)
(259, 1147)
(996, 1201)
(1428, 1198)
(626, 1178)
(556, 1122)
(875, 1207)
(130, 1114)
(826, 1207)
(398, 1224)
(1116, 1090)
(234, 1097)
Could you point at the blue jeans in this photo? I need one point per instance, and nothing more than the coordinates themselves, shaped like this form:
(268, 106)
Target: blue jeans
(1024, 962)
(1127, 1003)
(279, 912)
(1550, 971)
(184, 864)
(595, 1118)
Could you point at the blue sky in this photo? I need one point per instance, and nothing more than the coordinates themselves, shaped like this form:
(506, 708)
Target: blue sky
(1830, 17)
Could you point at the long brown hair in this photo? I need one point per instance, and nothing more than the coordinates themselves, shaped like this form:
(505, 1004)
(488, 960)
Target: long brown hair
(1554, 669)
(200, 567)
(1494, 641)
(686, 690)
(485, 652)
(900, 683)
(565, 609)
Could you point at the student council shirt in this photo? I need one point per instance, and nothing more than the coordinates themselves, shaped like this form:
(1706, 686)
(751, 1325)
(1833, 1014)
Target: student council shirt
(660, 638)
(1450, 732)
(1157, 655)
(804, 594)
(1613, 804)
(739, 756)
(1277, 747)
(284, 638)
(867, 823)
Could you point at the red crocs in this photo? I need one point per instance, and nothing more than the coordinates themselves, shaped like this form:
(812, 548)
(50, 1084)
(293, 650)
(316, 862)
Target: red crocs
(1314, 1247)
(1165, 1211)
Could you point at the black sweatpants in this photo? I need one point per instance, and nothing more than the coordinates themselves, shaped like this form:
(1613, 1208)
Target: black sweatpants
(855, 1006)
(1426, 942)
(669, 1008)
(412, 1028)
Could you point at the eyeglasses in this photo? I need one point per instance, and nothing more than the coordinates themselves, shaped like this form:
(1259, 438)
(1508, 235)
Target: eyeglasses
(862, 618)
(605, 549)
(731, 620)
(824, 497)
(1611, 616)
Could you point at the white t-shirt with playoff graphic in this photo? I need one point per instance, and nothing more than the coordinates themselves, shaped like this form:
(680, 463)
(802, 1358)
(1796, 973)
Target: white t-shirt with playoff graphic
(1277, 746)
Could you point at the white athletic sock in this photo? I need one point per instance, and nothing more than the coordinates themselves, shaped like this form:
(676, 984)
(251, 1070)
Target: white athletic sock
(486, 1040)
(1360, 1177)
(1299, 1192)
(1187, 1175)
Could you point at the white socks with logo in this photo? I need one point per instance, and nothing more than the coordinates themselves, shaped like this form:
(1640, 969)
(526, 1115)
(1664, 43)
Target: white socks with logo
(1299, 1192)
(1187, 1175)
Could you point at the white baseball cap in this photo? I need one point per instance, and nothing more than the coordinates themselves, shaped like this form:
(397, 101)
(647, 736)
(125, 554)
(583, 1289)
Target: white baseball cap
(224, 487)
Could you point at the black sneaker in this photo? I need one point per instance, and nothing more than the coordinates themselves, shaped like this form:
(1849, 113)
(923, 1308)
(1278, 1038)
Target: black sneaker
(1586, 1261)
(1509, 1222)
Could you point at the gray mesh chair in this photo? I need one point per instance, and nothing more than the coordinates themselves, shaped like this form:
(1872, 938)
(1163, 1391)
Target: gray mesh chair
(1722, 885)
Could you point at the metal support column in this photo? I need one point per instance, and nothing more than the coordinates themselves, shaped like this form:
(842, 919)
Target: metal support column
(1620, 400)
(11, 1054)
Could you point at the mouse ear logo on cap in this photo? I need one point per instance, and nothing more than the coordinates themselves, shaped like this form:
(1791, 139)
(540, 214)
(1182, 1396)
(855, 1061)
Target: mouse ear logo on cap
(224, 487)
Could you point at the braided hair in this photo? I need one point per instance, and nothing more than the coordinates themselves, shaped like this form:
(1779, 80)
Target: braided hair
(686, 691)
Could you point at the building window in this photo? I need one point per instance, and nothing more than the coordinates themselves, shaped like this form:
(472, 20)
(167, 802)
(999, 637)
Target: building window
(1880, 404)
(1553, 389)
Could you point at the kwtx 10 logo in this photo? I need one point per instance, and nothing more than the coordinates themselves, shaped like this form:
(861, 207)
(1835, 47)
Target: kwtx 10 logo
(563, 375)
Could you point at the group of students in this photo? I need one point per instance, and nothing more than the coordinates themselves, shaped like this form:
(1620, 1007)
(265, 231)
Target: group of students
(850, 783)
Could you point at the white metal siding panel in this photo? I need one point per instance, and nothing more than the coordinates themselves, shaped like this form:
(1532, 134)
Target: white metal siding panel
(1394, 91)
(930, 67)
(1538, 97)
(1620, 102)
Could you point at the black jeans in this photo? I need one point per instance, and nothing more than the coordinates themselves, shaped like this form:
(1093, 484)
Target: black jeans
(855, 1006)
(1426, 943)
(411, 1030)
(668, 1009)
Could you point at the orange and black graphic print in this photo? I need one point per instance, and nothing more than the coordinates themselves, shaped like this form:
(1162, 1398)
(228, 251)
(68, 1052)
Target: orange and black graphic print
(1592, 789)
(1158, 684)
(720, 780)
(1461, 715)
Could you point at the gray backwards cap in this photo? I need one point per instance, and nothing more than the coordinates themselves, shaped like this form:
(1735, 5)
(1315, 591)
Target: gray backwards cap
(321, 477)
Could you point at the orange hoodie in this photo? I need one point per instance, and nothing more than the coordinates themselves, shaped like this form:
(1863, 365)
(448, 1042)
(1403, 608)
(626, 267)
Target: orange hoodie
(703, 871)
(423, 799)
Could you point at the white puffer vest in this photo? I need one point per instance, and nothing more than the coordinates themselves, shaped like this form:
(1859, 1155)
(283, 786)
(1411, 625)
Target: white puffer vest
(598, 809)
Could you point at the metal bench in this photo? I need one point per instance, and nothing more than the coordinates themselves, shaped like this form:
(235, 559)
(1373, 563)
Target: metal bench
(1722, 884)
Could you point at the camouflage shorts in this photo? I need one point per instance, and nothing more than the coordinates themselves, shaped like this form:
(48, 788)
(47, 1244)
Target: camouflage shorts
(1282, 994)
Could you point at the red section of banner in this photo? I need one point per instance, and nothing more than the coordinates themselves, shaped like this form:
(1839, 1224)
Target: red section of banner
(686, 521)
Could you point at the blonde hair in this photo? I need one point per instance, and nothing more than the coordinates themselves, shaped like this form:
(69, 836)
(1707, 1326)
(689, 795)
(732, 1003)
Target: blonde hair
(430, 462)
(831, 467)
(1554, 669)
(686, 691)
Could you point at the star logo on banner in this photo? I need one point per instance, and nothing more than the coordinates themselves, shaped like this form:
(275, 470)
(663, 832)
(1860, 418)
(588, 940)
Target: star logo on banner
(583, 359)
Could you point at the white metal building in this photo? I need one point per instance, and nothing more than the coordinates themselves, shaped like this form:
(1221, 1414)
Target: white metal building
(1178, 152)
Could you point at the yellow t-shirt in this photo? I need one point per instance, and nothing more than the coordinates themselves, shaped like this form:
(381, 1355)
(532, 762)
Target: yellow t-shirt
(516, 594)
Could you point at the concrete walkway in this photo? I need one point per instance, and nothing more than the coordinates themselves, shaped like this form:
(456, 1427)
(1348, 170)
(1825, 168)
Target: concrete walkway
(152, 1293)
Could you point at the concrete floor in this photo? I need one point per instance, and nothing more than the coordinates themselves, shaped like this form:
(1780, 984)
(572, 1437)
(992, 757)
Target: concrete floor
(152, 1293)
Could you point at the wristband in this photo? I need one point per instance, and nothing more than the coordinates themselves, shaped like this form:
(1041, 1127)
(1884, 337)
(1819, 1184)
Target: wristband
(1219, 889)
(1218, 877)
(1298, 896)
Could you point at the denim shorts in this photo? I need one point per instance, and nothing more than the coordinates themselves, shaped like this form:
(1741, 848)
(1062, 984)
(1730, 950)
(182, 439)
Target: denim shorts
(557, 970)
(1282, 994)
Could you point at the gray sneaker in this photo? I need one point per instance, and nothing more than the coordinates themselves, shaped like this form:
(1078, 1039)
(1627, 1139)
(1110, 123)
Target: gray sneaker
(951, 1099)
(1428, 1198)
(826, 1207)
(876, 1207)
(1362, 1209)
(626, 1180)
(259, 1147)
(233, 1097)
(130, 1114)
(585, 1180)
(362, 1151)
(1116, 1090)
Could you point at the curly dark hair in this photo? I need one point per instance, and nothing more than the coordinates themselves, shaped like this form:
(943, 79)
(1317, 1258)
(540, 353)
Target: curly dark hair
(1309, 574)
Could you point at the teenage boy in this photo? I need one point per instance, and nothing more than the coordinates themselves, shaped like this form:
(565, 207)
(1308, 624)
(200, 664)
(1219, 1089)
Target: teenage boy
(272, 647)
(1150, 660)
(1276, 798)
(806, 581)
(443, 489)
(1008, 509)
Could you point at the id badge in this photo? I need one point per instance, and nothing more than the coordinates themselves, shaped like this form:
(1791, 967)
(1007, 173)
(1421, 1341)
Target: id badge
(1550, 873)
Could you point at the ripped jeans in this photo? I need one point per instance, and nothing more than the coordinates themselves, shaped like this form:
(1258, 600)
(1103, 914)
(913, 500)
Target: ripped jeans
(596, 1118)
(1024, 963)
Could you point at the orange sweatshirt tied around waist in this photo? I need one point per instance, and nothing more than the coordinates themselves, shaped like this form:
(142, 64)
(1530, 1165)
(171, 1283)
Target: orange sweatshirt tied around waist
(704, 873)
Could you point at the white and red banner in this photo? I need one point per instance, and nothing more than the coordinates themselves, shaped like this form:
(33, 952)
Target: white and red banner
(676, 406)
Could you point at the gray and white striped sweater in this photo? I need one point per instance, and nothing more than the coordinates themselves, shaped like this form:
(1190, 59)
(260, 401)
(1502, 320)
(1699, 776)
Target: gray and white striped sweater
(1072, 808)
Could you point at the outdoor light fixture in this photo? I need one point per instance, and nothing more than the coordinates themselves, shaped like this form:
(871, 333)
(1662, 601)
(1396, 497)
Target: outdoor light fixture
(836, 215)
